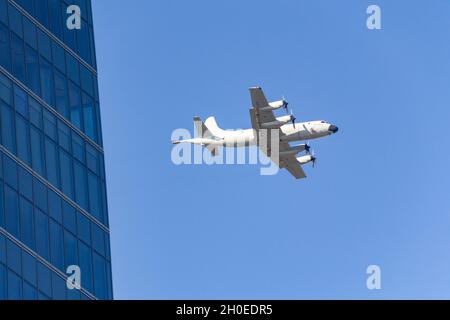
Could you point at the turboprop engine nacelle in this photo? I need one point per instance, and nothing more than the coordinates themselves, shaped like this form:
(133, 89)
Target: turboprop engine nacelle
(275, 105)
(305, 159)
(295, 150)
(278, 123)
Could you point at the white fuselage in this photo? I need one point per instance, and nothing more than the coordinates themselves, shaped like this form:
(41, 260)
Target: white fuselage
(240, 138)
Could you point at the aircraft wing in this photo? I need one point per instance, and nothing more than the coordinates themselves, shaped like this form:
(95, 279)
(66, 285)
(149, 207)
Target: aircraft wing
(259, 101)
(258, 117)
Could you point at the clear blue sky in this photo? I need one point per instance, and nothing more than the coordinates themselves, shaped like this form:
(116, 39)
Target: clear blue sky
(379, 194)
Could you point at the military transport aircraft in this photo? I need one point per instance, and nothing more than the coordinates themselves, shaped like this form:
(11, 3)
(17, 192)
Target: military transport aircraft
(265, 126)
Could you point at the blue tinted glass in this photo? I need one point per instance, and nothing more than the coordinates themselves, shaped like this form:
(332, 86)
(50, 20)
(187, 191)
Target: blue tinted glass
(25, 183)
(59, 288)
(27, 223)
(59, 57)
(33, 76)
(72, 68)
(12, 212)
(27, 5)
(51, 161)
(2, 248)
(41, 223)
(93, 161)
(45, 46)
(73, 294)
(41, 10)
(15, 20)
(87, 80)
(100, 277)
(95, 196)
(78, 147)
(98, 239)
(18, 57)
(5, 88)
(29, 292)
(47, 81)
(75, 105)
(83, 42)
(14, 286)
(54, 206)
(50, 125)
(70, 249)
(80, 185)
(55, 17)
(2, 211)
(37, 159)
(56, 245)
(64, 136)
(35, 112)
(10, 171)
(40, 195)
(3, 12)
(3, 283)
(30, 34)
(89, 117)
(23, 140)
(86, 265)
(5, 57)
(20, 101)
(44, 279)
(61, 95)
(14, 257)
(66, 174)
(29, 266)
(8, 132)
(84, 228)
(69, 217)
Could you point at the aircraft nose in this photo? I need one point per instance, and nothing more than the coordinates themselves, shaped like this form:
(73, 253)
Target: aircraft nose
(333, 128)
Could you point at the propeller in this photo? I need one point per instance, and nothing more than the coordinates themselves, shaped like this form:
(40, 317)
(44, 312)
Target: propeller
(313, 159)
(293, 119)
(285, 104)
(307, 148)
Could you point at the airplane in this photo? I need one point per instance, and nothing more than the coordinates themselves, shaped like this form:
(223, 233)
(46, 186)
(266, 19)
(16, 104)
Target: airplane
(262, 117)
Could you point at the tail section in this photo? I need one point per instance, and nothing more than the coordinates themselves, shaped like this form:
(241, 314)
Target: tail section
(207, 130)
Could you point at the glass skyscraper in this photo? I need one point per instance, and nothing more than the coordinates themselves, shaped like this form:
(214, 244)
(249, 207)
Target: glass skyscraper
(53, 206)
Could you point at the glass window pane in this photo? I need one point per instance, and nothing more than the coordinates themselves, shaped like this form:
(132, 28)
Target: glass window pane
(84, 228)
(10, 172)
(40, 194)
(72, 68)
(37, 156)
(98, 239)
(12, 212)
(23, 140)
(45, 47)
(35, 113)
(20, 101)
(64, 136)
(61, 95)
(3, 282)
(47, 81)
(70, 245)
(5, 88)
(86, 266)
(100, 277)
(51, 161)
(15, 20)
(4, 12)
(30, 34)
(59, 287)
(5, 57)
(89, 117)
(14, 257)
(56, 245)
(29, 292)
(66, 174)
(59, 57)
(8, 131)
(25, 183)
(75, 105)
(69, 217)
(14, 286)
(41, 223)
(44, 279)
(54, 206)
(29, 266)
(80, 185)
(18, 57)
(27, 223)
(33, 77)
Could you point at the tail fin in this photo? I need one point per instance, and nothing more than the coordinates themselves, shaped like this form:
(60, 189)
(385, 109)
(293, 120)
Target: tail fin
(204, 132)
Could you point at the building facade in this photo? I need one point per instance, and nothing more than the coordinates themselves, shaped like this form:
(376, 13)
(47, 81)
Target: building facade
(53, 206)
